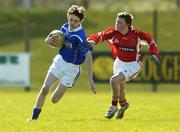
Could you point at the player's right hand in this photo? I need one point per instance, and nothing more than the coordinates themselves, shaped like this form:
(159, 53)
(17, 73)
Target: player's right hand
(91, 43)
(51, 38)
(93, 87)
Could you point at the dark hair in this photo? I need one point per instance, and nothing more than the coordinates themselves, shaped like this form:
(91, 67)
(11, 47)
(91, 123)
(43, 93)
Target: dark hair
(127, 17)
(78, 11)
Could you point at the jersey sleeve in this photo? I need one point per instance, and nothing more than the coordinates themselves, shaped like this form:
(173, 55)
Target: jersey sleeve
(102, 36)
(63, 29)
(82, 46)
(153, 49)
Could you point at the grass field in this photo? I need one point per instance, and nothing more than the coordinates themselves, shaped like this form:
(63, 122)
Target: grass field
(84, 111)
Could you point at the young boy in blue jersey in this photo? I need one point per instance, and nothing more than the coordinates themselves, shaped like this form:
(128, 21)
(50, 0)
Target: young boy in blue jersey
(66, 65)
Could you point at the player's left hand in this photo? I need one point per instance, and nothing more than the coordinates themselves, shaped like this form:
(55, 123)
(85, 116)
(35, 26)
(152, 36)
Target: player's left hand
(92, 85)
(155, 59)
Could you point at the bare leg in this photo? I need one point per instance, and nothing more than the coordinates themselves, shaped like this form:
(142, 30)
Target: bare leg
(117, 85)
(58, 93)
(122, 92)
(122, 99)
(49, 81)
(114, 81)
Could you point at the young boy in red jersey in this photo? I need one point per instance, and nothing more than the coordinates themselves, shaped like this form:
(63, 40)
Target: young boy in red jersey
(125, 43)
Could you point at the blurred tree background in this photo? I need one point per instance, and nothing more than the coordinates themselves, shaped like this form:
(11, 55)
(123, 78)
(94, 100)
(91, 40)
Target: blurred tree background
(46, 15)
(135, 5)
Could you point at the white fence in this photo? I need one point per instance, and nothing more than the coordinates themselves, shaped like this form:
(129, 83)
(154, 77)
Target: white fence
(15, 69)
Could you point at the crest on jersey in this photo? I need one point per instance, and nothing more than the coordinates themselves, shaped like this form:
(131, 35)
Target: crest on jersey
(125, 38)
(116, 41)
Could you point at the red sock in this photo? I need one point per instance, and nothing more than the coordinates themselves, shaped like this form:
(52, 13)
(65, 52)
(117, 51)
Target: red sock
(114, 102)
(123, 103)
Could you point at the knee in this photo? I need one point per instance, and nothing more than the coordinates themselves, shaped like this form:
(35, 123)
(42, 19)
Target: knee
(122, 77)
(45, 90)
(117, 78)
(114, 80)
(54, 100)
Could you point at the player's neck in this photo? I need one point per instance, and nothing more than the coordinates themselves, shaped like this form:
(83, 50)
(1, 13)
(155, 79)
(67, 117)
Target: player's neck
(125, 31)
(72, 28)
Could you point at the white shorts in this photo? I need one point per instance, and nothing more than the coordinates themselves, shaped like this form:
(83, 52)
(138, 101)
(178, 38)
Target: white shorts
(129, 69)
(67, 73)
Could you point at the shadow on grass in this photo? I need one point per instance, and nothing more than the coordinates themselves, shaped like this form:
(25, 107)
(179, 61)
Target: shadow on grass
(151, 120)
(85, 120)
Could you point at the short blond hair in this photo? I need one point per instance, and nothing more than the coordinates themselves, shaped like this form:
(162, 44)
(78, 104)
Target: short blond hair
(79, 11)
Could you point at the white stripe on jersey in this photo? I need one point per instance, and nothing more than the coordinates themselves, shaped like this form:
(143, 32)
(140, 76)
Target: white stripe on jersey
(99, 34)
(65, 29)
(111, 40)
(144, 42)
(83, 48)
(138, 49)
(77, 37)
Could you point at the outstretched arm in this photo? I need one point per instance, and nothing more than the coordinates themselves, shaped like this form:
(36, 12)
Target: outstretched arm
(101, 36)
(90, 71)
(153, 49)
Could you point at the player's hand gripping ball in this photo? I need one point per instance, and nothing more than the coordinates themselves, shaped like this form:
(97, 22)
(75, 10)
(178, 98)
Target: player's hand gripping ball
(55, 39)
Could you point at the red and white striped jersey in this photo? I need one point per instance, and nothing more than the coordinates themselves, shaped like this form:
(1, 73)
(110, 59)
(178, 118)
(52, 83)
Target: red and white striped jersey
(126, 47)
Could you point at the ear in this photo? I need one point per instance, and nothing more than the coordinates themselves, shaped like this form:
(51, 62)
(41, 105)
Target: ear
(128, 25)
(67, 15)
(82, 20)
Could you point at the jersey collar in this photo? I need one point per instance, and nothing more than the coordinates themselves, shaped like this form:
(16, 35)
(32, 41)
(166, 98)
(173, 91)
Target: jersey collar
(76, 29)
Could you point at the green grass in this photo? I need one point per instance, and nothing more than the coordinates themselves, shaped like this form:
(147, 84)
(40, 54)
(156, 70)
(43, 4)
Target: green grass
(84, 111)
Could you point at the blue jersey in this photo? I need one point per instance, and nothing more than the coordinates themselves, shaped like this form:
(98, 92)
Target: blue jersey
(75, 46)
